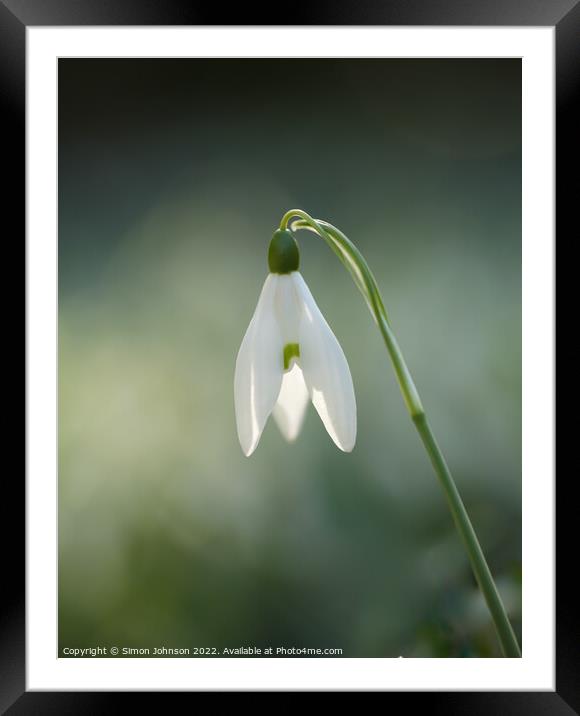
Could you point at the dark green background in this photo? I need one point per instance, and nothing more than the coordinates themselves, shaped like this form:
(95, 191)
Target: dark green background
(173, 175)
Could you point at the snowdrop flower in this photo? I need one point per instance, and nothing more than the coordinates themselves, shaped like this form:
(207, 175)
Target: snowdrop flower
(289, 356)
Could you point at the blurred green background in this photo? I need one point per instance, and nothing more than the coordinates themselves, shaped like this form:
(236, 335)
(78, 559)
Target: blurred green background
(173, 175)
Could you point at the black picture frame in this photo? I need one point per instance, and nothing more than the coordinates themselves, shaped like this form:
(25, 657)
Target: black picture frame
(15, 16)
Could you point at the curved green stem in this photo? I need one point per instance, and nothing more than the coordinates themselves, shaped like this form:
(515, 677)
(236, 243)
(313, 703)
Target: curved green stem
(357, 266)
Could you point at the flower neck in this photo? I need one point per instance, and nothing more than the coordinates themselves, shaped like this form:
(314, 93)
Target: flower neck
(283, 253)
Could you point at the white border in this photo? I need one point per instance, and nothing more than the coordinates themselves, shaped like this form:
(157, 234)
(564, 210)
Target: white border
(535, 671)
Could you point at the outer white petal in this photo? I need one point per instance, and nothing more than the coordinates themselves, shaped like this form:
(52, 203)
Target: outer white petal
(288, 307)
(259, 369)
(326, 371)
(291, 405)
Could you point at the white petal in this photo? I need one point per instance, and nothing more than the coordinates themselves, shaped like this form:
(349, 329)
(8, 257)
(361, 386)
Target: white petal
(288, 307)
(291, 405)
(259, 369)
(326, 371)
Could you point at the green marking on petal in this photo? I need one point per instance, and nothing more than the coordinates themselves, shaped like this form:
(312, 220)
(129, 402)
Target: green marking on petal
(291, 350)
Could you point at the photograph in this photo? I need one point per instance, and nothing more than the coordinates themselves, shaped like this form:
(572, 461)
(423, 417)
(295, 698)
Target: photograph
(290, 357)
(290, 354)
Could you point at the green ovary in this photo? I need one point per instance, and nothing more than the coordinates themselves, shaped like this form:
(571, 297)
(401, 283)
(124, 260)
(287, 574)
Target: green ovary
(291, 350)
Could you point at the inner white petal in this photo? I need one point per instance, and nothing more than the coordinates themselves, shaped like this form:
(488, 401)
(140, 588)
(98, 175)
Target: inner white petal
(291, 405)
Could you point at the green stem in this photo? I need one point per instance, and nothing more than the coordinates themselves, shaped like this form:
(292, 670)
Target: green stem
(507, 638)
(356, 264)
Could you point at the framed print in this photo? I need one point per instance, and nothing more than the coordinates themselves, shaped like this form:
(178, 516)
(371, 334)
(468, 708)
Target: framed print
(236, 478)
